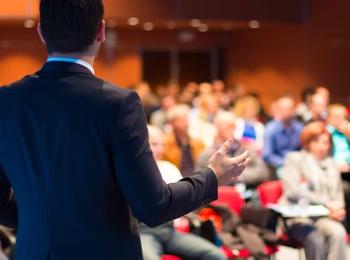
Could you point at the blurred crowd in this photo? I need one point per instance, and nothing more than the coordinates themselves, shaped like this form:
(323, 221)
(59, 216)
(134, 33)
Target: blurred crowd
(304, 144)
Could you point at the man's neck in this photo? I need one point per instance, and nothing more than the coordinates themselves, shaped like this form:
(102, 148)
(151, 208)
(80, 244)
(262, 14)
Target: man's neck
(81, 56)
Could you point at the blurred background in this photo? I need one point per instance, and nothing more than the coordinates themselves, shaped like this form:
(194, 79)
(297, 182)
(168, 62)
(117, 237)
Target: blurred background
(270, 47)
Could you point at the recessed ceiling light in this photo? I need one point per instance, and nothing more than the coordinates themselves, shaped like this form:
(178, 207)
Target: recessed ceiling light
(132, 21)
(195, 23)
(254, 24)
(203, 27)
(148, 26)
(29, 23)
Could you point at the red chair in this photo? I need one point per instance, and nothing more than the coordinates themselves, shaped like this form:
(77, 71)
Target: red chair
(269, 193)
(170, 257)
(228, 196)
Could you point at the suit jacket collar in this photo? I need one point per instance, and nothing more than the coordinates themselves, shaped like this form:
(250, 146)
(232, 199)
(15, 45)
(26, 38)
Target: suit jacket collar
(60, 69)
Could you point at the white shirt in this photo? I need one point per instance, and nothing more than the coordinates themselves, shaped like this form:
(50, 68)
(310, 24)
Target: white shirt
(170, 173)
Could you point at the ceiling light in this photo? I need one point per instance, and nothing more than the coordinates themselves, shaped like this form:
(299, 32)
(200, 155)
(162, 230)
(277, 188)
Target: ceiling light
(132, 21)
(203, 27)
(254, 24)
(148, 26)
(195, 23)
(29, 23)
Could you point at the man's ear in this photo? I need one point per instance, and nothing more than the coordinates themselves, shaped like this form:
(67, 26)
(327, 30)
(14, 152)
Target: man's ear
(38, 28)
(101, 32)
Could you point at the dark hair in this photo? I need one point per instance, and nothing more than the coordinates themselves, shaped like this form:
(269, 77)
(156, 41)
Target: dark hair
(70, 25)
(307, 91)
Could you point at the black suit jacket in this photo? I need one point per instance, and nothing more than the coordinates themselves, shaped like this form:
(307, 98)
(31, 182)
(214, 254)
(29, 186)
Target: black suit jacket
(75, 151)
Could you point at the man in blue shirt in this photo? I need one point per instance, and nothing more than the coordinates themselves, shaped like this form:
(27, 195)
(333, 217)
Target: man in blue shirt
(281, 134)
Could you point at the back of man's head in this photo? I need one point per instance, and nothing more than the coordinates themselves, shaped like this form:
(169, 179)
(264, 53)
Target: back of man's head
(70, 26)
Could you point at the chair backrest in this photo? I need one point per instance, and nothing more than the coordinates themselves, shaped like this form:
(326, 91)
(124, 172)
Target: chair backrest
(270, 192)
(227, 195)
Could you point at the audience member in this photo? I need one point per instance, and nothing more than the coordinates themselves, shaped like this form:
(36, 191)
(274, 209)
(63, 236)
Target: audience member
(221, 94)
(164, 239)
(281, 134)
(158, 117)
(317, 106)
(201, 119)
(311, 176)
(189, 93)
(248, 128)
(339, 128)
(180, 148)
(302, 111)
(149, 100)
(256, 171)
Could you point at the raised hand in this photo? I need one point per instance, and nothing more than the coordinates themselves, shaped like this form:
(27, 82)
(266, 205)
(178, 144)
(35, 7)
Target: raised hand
(227, 168)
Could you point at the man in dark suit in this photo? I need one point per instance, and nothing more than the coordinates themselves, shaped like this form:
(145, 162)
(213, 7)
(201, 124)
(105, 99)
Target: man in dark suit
(75, 151)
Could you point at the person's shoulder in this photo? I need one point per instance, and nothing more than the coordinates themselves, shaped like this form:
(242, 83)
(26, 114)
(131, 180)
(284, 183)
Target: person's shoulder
(13, 86)
(110, 89)
(272, 125)
(295, 156)
(299, 125)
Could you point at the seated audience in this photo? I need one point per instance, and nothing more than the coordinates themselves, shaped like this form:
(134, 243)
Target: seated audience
(281, 134)
(248, 127)
(201, 119)
(149, 100)
(180, 148)
(339, 128)
(164, 239)
(221, 94)
(158, 117)
(189, 93)
(302, 110)
(311, 176)
(317, 110)
(256, 171)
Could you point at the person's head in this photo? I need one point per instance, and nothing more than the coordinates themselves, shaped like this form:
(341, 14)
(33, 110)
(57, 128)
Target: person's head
(307, 94)
(209, 104)
(247, 107)
(225, 125)
(285, 108)
(316, 139)
(168, 102)
(205, 88)
(156, 141)
(318, 106)
(323, 91)
(218, 86)
(337, 114)
(177, 117)
(72, 26)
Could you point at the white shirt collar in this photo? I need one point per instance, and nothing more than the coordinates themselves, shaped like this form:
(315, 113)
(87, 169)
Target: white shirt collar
(72, 60)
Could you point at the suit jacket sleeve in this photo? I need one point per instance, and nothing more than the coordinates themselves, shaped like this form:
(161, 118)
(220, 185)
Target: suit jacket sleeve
(8, 207)
(151, 200)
